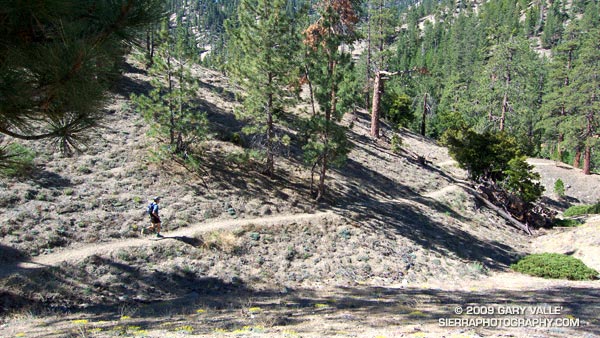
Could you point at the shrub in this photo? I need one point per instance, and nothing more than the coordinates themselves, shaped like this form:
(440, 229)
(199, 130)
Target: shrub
(84, 169)
(396, 143)
(566, 222)
(578, 210)
(484, 156)
(553, 265)
(16, 160)
(397, 108)
(520, 180)
(559, 188)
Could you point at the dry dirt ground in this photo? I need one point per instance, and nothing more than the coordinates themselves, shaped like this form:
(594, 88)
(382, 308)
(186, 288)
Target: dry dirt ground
(397, 245)
(579, 188)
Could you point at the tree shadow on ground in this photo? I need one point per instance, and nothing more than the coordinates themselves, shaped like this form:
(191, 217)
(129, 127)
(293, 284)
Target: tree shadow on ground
(222, 122)
(128, 85)
(48, 179)
(377, 201)
(205, 304)
(10, 255)
(432, 304)
(245, 179)
(222, 92)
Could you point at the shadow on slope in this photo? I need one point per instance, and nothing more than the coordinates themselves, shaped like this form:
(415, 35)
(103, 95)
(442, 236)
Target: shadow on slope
(218, 305)
(373, 197)
(11, 255)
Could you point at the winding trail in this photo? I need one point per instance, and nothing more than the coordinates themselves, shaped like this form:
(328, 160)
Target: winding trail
(87, 249)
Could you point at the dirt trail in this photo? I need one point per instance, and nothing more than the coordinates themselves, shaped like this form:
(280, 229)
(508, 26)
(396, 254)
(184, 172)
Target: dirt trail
(443, 191)
(76, 254)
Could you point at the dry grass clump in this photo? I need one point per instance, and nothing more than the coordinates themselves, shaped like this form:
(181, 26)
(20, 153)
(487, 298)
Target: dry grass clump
(221, 240)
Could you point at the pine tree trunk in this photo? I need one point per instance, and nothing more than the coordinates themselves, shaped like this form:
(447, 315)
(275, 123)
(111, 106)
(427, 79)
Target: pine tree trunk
(151, 48)
(561, 138)
(322, 175)
(577, 159)
(328, 114)
(375, 110)
(368, 72)
(180, 147)
(310, 89)
(587, 160)
(148, 42)
(587, 155)
(504, 107)
(505, 98)
(171, 107)
(270, 165)
(423, 122)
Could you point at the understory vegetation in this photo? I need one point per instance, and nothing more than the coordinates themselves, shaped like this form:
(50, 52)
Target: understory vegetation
(553, 265)
(579, 210)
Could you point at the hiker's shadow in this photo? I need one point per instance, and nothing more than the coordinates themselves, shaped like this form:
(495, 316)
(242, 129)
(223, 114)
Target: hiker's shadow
(195, 242)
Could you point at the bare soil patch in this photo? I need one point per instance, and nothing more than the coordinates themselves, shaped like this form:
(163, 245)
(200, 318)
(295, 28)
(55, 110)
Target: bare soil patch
(579, 188)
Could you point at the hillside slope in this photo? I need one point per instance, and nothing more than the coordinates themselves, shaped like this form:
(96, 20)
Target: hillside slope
(579, 188)
(390, 224)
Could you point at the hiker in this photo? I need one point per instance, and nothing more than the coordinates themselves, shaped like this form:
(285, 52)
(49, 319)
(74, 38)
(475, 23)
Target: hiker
(154, 218)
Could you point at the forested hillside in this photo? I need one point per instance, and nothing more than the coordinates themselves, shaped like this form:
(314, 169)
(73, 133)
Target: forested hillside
(295, 168)
(527, 68)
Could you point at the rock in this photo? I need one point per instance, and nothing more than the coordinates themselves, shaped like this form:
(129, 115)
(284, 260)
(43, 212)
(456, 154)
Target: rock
(265, 210)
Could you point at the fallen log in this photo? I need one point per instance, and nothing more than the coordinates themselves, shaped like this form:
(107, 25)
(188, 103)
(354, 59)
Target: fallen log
(505, 215)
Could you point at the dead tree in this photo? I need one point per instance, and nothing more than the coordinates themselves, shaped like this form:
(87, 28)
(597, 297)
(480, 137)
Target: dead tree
(378, 90)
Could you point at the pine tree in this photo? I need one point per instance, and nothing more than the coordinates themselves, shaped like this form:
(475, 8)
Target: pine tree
(380, 29)
(553, 26)
(265, 43)
(57, 60)
(509, 86)
(585, 95)
(169, 108)
(555, 107)
(331, 75)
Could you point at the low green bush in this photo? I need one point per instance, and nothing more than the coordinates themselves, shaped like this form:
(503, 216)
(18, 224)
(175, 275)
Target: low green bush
(566, 222)
(396, 143)
(559, 188)
(16, 160)
(578, 210)
(553, 265)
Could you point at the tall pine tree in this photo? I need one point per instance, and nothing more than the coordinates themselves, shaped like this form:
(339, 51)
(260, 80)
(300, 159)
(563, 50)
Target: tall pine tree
(265, 44)
(585, 96)
(332, 77)
(169, 108)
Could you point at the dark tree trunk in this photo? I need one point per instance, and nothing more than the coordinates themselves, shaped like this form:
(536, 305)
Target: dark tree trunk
(577, 159)
(587, 155)
(425, 110)
(310, 89)
(504, 108)
(270, 165)
(368, 72)
(376, 109)
(587, 160)
(561, 138)
(328, 115)
(151, 48)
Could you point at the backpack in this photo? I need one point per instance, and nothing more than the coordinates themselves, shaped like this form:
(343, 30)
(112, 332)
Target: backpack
(150, 208)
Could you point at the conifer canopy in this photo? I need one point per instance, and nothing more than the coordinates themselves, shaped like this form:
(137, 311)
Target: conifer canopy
(58, 58)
